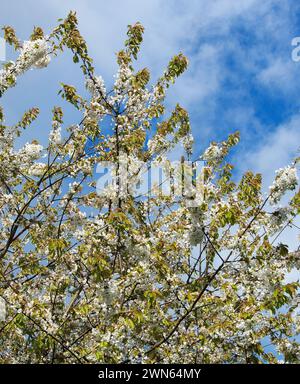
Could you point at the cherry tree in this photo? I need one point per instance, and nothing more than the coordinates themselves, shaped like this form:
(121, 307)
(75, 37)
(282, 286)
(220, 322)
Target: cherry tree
(95, 272)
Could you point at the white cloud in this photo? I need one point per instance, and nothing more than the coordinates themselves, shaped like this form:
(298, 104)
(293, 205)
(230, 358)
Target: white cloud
(280, 75)
(277, 150)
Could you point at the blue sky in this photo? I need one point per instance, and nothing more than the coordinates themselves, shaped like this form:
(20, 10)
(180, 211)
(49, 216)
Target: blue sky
(241, 75)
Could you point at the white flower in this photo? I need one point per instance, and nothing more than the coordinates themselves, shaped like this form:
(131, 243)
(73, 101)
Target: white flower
(196, 235)
(31, 151)
(110, 292)
(7, 198)
(279, 217)
(7, 79)
(122, 82)
(188, 142)
(213, 153)
(96, 87)
(33, 54)
(55, 134)
(142, 251)
(157, 143)
(37, 169)
(2, 309)
(286, 179)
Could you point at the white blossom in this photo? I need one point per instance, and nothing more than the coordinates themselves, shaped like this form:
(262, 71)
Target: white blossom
(2, 309)
(31, 151)
(188, 142)
(96, 86)
(213, 153)
(37, 169)
(55, 134)
(286, 179)
(33, 54)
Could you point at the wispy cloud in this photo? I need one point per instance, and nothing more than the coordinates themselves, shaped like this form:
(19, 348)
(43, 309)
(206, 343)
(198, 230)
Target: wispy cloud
(276, 151)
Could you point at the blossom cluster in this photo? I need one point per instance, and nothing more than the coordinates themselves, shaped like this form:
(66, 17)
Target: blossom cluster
(286, 179)
(33, 54)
